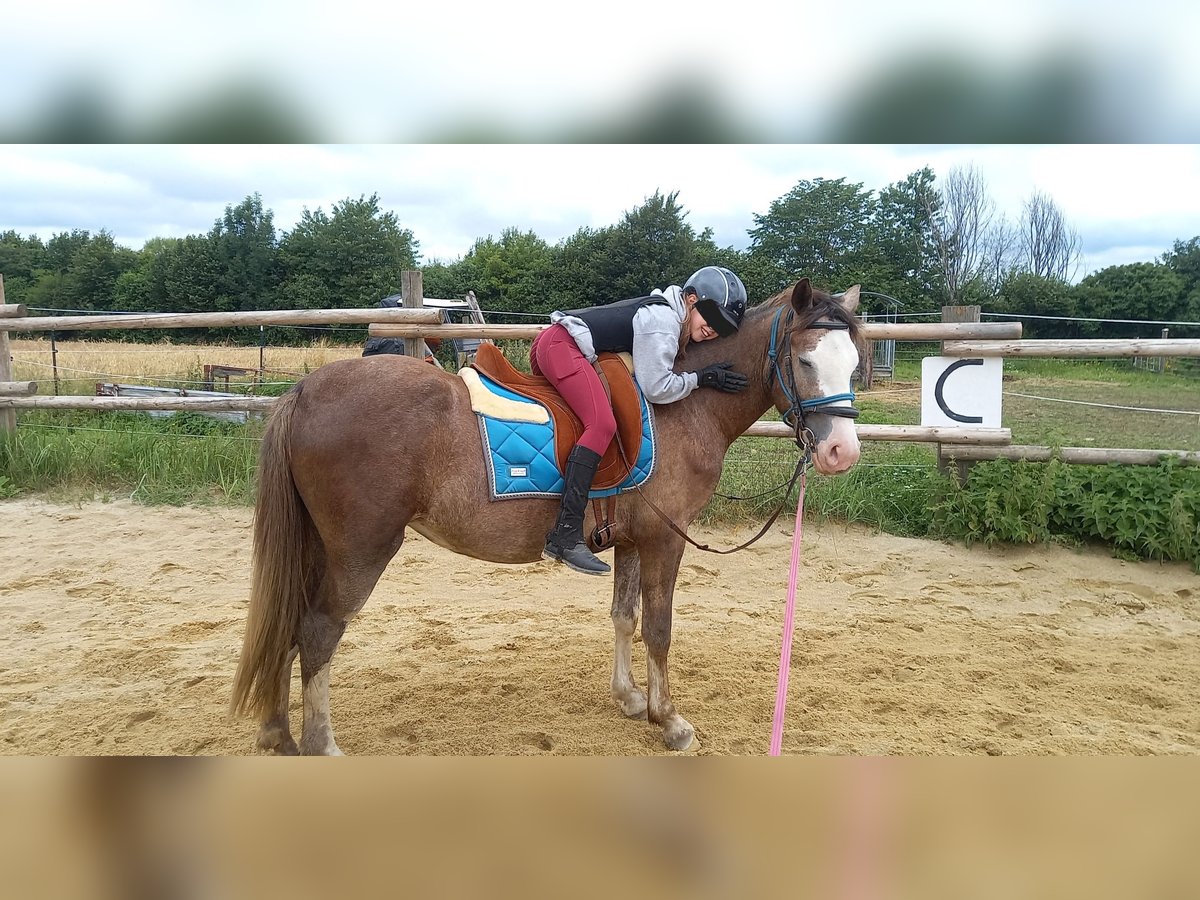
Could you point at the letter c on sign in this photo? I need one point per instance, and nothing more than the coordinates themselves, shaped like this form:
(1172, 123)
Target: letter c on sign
(941, 400)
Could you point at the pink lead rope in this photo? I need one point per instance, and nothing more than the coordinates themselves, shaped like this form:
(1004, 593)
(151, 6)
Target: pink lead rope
(785, 652)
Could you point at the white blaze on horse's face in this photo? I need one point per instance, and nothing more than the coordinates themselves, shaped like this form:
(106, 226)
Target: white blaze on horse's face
(826, 370)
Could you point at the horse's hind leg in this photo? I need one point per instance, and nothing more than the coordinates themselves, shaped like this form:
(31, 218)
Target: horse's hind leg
(342, 593)
(274, 732)
(630, 699)
(319, 636)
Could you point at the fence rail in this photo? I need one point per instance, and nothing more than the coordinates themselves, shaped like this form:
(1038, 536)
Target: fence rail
(962, 338)
(901, 331)
(1083, 349)
(1088, 456)
(224, 319)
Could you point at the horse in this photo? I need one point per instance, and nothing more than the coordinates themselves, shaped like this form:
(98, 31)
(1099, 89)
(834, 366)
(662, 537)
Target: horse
(363, 449)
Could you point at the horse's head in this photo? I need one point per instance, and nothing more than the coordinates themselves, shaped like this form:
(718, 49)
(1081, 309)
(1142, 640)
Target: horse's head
(815, 343)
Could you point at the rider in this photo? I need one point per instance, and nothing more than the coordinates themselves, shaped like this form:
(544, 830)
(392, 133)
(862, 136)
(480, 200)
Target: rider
(655, 329)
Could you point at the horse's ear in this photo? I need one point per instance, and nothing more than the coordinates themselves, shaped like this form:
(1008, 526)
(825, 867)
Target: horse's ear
(802, 296)
(849, 300)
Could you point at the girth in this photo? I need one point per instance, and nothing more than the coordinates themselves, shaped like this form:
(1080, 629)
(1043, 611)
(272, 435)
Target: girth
(627, 408)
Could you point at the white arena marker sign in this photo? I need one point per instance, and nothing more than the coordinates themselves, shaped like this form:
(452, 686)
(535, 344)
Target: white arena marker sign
(957, 391)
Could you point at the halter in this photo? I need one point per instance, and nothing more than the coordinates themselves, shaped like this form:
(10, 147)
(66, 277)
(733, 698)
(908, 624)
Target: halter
(794, 416)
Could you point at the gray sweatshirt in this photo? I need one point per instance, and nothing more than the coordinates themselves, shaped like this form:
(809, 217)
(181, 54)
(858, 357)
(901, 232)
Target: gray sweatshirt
(656, 330)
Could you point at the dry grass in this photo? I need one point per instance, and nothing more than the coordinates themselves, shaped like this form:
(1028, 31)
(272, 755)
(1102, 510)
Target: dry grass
(82, 363)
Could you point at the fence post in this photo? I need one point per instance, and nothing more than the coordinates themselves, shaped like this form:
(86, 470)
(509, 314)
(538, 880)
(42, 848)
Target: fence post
(54, 361)
(412, 290)
(8, 417)
(962, 466)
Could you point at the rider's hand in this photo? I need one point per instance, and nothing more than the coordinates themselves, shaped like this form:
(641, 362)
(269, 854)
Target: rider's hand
(722, 377)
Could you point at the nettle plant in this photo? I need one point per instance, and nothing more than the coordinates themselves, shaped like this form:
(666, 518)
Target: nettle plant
(1141, 512)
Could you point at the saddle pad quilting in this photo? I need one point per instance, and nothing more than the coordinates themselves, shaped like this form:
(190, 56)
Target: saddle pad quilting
(520, 455)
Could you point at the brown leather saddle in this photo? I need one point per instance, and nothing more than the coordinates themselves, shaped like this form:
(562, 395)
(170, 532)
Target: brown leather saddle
(627, 408)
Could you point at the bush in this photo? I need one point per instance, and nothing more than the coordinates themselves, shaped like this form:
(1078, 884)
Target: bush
(1141, 512)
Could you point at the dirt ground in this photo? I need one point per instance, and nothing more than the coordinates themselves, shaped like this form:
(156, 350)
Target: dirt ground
(122, 625)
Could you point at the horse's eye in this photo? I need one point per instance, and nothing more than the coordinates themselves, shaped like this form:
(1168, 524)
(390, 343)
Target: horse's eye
(804, 362)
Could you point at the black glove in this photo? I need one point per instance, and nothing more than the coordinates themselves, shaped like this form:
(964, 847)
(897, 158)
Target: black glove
(722, 377)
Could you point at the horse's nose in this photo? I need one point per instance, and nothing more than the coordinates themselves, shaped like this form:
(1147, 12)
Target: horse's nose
(837, 456)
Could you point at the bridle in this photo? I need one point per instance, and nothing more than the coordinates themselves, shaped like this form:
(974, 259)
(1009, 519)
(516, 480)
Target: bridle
(794, 415)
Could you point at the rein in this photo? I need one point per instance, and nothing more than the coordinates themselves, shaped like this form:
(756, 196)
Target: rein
(802, 465)
(805, 439)
(605, 530)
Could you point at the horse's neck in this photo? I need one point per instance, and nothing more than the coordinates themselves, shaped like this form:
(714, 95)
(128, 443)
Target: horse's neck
(731, 414)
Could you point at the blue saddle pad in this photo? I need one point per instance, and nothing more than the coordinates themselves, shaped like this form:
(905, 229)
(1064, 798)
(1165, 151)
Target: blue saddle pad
(520, 455)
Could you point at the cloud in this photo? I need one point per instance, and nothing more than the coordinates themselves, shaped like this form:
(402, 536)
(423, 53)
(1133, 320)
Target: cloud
(359, 72)
(1121, 199)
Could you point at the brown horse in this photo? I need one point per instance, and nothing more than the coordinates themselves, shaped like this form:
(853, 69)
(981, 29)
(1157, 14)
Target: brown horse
(362, 449)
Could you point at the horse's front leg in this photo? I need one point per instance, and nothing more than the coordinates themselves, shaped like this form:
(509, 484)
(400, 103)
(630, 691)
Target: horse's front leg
(627, 600)
(660, 567)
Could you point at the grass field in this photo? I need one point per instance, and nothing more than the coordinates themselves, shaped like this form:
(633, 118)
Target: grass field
(80, 364)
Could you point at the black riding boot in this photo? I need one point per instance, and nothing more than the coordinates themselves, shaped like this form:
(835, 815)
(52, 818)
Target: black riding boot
(565, 542)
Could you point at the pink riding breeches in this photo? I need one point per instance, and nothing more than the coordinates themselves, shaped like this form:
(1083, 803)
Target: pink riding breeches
(556, 357)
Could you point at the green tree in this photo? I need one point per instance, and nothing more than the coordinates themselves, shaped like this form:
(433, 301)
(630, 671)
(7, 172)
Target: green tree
(1139, 291)
(510, 274)
(21, 259)
(447, 279)
(52, 288)
(144, 287)
(818, 229)
(62, 247)
(1184, 261)
(1026, 294)
(652, 246)
(900, 245)
(758, 275)
(192, 277)
(81, 271)
(244, 241)
(357, 253)
(95, 270)
(581, 270)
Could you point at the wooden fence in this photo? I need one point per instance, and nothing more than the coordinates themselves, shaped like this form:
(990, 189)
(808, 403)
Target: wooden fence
(415, 323)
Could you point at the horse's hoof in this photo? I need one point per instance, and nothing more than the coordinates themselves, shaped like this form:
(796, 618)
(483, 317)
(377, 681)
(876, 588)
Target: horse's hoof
(276, 740)
(633, 706)
(679, 735)
(328, 748)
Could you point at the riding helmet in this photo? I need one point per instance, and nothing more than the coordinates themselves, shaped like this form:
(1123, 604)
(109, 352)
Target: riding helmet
(721, 298)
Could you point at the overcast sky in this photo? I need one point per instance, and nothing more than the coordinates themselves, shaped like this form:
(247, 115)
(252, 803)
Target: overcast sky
(1128, 203)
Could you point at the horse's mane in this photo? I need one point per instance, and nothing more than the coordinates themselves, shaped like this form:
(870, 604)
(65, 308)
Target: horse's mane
(825, 308)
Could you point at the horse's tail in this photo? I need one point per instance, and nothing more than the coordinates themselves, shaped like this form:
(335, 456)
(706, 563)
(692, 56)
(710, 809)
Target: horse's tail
(282, 571)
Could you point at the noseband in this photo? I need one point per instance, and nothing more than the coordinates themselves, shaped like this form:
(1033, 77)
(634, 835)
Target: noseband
(794, 416)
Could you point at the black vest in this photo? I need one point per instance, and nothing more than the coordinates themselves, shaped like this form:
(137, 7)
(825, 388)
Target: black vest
(611, 325)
